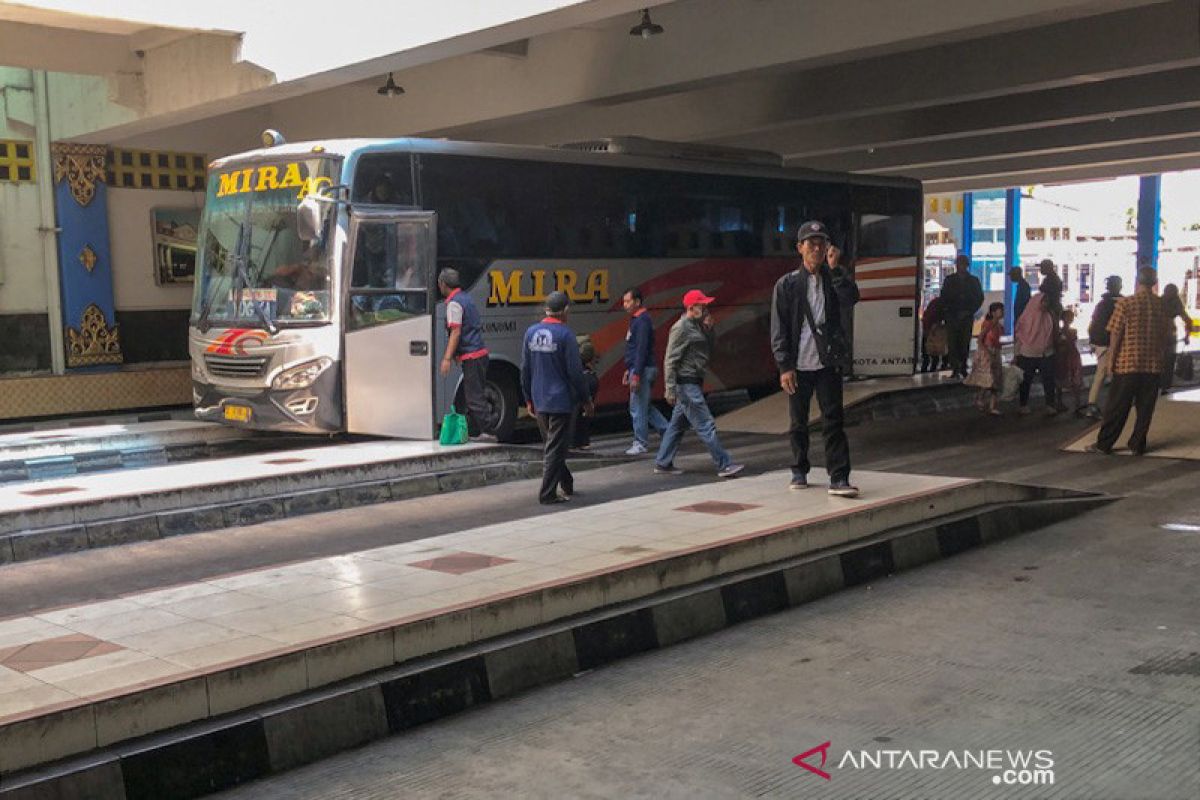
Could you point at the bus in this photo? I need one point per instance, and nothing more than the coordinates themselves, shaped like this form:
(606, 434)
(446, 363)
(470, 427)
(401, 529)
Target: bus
(316, 308)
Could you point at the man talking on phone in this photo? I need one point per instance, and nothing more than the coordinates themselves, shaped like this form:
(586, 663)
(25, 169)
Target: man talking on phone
(812, 352)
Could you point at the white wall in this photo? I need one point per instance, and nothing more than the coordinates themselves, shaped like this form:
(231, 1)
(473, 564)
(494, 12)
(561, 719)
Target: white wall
(22, 282)
(131, 240)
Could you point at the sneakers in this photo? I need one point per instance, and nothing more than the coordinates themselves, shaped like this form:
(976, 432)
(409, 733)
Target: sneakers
(843, 489)
(669, 469)
(638, 449)
(1095, 448)
(485, 438)
(730, 470)
(798, 482)
(1025, 410)
(1091, 411)
(564, 496)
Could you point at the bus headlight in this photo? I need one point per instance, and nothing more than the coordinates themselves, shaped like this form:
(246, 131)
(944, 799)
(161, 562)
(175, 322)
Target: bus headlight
(301, 376)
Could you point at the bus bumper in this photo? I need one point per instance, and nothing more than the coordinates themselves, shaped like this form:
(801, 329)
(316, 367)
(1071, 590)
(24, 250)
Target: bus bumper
(315, 409)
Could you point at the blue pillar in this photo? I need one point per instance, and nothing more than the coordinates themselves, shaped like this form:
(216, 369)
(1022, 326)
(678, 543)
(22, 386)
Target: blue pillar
(1149, 206)
(90, 332)
(968, 226)
(1012, 252)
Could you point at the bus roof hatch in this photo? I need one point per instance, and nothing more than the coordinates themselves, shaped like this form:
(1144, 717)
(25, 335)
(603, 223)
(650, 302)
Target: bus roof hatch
(687, 151)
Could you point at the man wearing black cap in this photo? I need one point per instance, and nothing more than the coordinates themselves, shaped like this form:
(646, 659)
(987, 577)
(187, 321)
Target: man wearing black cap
(554, 385)
(811, 351)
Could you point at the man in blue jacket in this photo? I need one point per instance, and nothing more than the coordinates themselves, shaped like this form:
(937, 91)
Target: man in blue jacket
(640, 373)
(553, 382)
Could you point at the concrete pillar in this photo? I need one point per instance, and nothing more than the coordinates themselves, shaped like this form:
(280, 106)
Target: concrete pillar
(1149, 206)
(48, 227)
(1012, 252)
(84, 262)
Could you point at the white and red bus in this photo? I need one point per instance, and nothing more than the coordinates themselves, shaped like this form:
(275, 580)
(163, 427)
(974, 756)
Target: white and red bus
(316, 307)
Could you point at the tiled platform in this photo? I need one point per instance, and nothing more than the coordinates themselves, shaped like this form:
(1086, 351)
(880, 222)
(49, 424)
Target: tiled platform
(96, 510)
(1174, 431)
(770, 415)
(72, 679)
(66, 441)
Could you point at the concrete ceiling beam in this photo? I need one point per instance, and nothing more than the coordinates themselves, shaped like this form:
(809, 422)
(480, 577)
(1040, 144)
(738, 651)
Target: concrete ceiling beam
(903, 159)
(1117, 155)
(750, 111)
(1067, 174)
(63, 50)
(1142, 94)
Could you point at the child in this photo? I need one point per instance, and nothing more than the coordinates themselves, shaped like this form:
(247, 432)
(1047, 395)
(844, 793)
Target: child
(582, 439)
(986, 368)
(1068, 365)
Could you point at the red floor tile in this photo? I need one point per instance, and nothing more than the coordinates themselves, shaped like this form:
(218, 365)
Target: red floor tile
(461, 563)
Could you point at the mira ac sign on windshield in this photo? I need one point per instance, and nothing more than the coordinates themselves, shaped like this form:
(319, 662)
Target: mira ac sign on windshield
(271, 178)
(255, 269)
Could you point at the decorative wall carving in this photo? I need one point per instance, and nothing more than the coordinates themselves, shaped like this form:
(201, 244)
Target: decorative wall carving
(87, 257)
(94, 343)
(82, 165)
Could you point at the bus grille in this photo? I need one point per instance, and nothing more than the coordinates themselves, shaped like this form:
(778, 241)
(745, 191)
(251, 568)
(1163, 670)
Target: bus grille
(235, 367)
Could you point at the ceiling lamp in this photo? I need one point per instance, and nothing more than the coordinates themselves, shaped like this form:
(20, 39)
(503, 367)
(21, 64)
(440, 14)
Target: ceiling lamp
(645, 28)
(390, 89)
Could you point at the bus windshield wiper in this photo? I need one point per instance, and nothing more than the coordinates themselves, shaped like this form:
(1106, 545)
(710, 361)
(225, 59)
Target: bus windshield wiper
(211, 297)
(243, 281)
(241, 276)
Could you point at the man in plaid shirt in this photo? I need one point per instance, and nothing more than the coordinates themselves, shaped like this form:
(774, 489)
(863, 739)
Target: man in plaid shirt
(1138, 330)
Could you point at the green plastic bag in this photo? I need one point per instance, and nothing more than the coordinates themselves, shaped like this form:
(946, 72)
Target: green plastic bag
(454, 428)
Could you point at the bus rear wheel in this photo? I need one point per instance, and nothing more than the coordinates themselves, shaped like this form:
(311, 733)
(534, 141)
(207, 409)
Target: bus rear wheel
(503, 402)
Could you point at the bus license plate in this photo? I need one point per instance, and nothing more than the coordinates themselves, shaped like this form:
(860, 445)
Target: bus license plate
(237, 413)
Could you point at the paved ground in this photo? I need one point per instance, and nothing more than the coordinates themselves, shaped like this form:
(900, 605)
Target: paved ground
(1060, 641)
(1080, 639)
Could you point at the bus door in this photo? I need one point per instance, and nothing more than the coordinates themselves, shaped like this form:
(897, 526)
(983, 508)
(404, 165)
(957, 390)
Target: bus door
(389, 341)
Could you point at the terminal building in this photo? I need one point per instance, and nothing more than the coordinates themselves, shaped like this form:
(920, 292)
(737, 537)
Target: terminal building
(107, 126)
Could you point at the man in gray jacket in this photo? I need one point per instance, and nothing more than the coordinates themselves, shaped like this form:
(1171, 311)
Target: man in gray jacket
(689, 348)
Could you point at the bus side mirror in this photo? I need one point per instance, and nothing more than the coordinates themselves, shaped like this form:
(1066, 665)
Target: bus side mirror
(309, 216)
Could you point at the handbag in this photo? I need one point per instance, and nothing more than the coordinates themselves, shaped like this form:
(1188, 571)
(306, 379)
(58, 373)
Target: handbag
(1010, 381)
(937, 343)
(1185, 370)
(454, 429)
(832, 347)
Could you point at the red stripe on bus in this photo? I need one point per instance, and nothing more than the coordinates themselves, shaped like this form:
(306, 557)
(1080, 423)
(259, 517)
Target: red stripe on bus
(888, 293)
(896, 272)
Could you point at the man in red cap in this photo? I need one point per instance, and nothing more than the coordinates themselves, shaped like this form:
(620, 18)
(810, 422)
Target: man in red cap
(689, 346)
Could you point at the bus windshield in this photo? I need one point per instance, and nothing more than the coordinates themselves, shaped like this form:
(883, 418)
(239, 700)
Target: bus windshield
(253, 269)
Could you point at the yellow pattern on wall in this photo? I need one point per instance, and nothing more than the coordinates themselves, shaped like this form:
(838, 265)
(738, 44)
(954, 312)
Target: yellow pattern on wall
(79, 393)
(155, 169)
(16, 161)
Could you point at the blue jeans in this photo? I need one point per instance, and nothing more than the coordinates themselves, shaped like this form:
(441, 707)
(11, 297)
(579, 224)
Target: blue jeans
(691, 410)
(645, 416)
